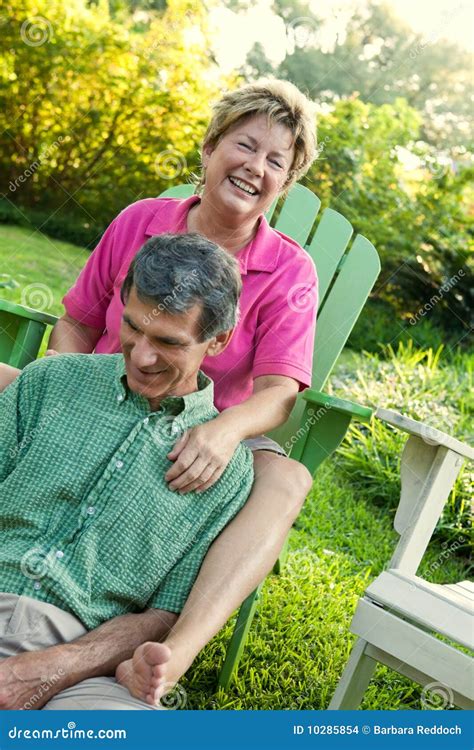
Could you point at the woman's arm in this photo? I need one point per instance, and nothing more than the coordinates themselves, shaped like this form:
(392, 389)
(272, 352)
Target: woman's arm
(70, 336)
(269, 406)
(203, 452)
(7, 375)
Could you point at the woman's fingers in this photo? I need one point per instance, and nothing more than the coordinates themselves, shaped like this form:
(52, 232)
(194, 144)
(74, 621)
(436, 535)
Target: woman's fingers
(212, 480)
(178, 446)
(190, 475)
(205, 476)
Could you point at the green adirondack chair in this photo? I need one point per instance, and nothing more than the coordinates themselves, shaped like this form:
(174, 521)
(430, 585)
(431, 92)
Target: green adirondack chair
(318, 421)
(21, 332)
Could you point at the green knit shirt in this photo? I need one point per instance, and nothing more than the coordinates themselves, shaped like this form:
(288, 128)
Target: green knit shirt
(87, 521)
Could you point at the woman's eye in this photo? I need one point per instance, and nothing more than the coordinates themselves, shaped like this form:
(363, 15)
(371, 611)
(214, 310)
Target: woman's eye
(245, 145)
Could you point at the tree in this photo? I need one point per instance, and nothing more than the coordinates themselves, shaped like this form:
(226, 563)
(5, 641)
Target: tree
(94, 114)
(380, 59)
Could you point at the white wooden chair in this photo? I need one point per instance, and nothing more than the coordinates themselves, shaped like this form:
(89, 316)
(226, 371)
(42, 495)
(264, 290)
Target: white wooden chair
(400, 616)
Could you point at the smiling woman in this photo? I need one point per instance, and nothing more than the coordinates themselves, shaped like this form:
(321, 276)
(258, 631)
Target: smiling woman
(260, 140)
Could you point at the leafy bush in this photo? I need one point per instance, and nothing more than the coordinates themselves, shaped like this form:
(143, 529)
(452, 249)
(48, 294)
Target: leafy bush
(418, 384)
(379, 326)
(98, 111)
(55, 224)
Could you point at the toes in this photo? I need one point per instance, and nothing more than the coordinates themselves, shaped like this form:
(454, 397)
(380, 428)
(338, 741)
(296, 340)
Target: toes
(156, 653)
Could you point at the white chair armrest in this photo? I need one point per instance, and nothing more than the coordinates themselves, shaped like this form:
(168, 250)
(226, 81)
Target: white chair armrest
(426, 432)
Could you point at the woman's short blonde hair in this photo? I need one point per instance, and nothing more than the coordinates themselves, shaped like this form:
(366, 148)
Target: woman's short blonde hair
(282, 103)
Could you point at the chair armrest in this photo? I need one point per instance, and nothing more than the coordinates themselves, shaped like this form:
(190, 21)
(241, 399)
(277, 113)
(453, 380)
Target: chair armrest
(38, 316)
(426, 432)
(362, 413)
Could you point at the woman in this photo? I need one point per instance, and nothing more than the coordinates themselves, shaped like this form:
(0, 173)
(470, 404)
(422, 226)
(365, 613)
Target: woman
(259, 142)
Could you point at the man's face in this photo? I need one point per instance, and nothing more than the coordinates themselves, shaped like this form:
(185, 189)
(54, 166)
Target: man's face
(162, 351)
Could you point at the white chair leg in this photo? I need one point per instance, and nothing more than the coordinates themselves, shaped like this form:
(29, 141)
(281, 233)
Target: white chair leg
(354, 679)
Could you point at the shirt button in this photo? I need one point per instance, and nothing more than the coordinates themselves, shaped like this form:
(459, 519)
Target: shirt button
(119, 464)
(37, 585)
(91, 510)
(59, 553)
(146, 420)
(120, 397)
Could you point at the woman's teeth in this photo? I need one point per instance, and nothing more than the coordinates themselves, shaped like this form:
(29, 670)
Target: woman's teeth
(243, 186)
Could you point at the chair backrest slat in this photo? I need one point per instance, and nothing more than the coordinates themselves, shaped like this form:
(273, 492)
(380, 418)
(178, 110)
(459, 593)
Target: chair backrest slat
(343, 305)
(328, 246)
(298, 213)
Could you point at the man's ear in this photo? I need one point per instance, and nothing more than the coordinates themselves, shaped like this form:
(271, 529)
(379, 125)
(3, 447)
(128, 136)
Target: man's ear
(217, 344)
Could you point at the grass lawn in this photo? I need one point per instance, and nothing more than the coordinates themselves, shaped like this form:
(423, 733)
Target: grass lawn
(299, 641)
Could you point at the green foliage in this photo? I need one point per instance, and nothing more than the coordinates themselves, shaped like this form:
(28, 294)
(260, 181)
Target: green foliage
(107, 114)
(420, 226)
(380, 58)
(421, 385)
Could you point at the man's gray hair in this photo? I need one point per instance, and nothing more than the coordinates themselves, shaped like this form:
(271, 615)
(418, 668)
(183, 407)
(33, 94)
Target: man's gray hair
(177, 271)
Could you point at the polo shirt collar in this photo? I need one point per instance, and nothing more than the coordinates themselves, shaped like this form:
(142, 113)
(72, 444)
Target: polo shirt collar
(261, 254)
(200, 401)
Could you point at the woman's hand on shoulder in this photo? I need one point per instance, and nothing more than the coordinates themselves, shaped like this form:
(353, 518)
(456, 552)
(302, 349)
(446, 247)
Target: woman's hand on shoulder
(201, 456)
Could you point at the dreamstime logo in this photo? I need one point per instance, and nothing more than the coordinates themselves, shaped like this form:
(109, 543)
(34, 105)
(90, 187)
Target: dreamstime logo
(169, 164)
(313, 417)
(34, 166)
(30, 436)
(36, 563)
(322, 145)
(439, 168)
(36, 31)
(38, 296)
(448, 550)
(302, 297)
(174, 697)
(171, 297)
(302, 564)
(445, 287)
(301, 30)
(45, 686)
(446, 20)
(169, 430)
(437, 696)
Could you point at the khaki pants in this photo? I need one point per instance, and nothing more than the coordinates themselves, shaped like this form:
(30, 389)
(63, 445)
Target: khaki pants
(30, 625)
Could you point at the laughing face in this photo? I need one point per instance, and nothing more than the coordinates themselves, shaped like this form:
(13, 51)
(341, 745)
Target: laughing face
(248, 167)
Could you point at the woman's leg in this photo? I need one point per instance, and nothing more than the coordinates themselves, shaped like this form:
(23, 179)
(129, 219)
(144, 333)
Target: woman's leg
(239, 559)
(7, 375)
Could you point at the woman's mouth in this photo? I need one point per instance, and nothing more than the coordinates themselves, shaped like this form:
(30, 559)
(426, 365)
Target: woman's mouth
(243, 186)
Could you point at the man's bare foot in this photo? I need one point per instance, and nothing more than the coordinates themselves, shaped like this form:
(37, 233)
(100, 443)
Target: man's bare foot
(146, 672)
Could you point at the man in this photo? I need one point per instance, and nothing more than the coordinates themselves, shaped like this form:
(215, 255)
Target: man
(93, 538)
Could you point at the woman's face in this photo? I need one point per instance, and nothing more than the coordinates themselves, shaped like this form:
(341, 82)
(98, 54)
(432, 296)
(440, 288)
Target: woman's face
(248, 168)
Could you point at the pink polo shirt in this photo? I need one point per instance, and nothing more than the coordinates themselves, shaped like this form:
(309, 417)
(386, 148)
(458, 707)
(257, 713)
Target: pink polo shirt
(275, 333)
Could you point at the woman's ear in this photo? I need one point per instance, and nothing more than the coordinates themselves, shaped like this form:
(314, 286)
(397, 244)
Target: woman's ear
(207, 150)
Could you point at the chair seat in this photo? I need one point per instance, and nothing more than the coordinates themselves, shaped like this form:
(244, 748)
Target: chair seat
(446, 609)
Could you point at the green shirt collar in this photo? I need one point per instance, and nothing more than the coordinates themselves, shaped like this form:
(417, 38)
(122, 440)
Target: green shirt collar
(200, 401)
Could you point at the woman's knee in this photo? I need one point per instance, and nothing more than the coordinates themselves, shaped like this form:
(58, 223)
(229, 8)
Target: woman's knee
(284, 477)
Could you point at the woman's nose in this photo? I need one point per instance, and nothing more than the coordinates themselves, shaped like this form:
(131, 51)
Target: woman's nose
(256, 164)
